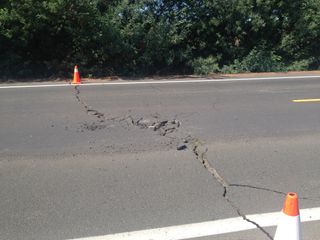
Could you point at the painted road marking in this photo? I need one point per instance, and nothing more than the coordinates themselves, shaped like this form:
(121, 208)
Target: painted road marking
(210, 228)
(306, 100)
(157, 82)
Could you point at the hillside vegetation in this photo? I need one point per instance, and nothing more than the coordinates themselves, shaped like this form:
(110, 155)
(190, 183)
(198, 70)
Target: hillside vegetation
(144, 37)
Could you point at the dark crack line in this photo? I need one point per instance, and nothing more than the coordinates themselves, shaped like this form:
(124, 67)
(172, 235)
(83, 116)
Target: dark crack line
(257, 188)
(201, 155)
(244, 217)
(89, 109)
(269, 190)
(101, 120)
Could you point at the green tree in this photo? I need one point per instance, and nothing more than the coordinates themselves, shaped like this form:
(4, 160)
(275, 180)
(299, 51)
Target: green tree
(43, 38)
(48, 37)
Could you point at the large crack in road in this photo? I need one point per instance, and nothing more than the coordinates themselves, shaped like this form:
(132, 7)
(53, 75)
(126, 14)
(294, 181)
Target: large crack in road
(100, 122)
(200, 151)
(165, 127)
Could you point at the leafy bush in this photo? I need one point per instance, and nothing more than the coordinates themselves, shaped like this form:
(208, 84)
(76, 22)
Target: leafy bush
(258, 60)
(300, 65)
(261, 61)
(204, 66)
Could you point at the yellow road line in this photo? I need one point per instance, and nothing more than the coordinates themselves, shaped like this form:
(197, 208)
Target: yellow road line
(306, 100)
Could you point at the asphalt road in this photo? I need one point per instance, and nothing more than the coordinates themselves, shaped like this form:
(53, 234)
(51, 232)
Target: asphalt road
(98, 160)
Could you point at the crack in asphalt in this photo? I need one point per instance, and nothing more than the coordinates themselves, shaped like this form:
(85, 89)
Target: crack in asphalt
(269, 190)
(165, 127)
(257, 188)
(89, 109)
(201, 154)
(101, 120)
(162, 127)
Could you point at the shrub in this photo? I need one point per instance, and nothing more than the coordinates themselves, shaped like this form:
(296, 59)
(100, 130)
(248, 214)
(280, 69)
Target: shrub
(258, 60)
(300, 65)
(261, 61)
(204, 66)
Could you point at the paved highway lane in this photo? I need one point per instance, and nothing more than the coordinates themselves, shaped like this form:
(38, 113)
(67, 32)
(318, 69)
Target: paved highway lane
(98, 160)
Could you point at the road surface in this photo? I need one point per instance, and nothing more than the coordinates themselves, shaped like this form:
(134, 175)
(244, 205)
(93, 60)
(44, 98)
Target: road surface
(96, 160)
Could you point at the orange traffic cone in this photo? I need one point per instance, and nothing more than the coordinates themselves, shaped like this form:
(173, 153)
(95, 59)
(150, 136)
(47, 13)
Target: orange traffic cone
(289, 222)
(76, 76)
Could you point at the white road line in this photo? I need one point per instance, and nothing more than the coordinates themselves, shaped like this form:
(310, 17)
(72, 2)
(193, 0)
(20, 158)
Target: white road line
(204, 229)
(157, 82)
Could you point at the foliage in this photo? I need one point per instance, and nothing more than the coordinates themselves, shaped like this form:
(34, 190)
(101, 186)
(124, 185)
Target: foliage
(205, 66)
(261, 61)
(301, 65)
(41, 38)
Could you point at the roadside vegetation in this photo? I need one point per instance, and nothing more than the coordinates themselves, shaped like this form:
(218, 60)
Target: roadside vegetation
(144, 37)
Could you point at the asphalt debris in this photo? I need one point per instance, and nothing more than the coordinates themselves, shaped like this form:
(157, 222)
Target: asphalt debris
(182, 147)
(92, 126)
(162, 126)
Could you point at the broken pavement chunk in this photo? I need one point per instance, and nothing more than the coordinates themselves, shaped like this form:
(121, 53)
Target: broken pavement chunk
(182, 147)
